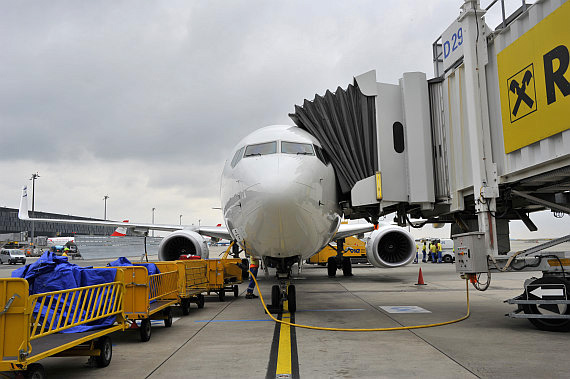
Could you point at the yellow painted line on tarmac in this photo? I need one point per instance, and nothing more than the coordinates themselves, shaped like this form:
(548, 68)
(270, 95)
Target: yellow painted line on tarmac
(284, 352)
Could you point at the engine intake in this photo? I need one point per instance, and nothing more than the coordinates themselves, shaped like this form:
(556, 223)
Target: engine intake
(182, 242)
(390, 246)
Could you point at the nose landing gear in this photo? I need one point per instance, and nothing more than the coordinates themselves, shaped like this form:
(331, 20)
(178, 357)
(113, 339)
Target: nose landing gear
(281, 293)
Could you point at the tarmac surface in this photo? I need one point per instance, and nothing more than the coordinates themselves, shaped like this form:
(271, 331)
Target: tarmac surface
(236, 339)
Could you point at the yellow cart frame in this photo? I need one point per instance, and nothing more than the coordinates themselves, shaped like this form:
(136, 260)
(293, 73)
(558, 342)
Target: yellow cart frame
(28, 337)
(149, 296)
(224, 274)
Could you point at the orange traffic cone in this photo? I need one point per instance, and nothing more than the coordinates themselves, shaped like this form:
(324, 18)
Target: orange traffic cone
(420, 279)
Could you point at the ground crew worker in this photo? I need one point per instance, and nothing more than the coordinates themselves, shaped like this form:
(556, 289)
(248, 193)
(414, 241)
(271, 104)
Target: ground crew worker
(433, 251)
(417, 250)
(65, 251)
(424, 252)
(253, 267)
(439, 253)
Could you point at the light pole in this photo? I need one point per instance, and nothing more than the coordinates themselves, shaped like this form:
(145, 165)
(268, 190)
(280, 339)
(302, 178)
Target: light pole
(180, 219)
(153, 209)
(33, 179)
(105, 200)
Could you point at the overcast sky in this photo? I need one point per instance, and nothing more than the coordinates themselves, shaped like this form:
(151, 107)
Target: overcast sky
(143, 100)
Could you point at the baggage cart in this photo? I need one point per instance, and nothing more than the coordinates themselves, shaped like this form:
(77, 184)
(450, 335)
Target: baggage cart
(224, 275)
(149, 296)
(33, 326)
(192, 281)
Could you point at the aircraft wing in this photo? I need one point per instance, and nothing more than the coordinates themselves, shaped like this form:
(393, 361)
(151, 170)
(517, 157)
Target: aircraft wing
(347, 230)
(213, 231)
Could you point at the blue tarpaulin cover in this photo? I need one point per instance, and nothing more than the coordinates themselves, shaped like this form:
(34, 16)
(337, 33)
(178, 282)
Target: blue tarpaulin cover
(54, 273)
(122, 261)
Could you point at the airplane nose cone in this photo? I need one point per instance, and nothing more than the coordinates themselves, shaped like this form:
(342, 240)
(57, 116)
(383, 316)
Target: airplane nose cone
(280, 213)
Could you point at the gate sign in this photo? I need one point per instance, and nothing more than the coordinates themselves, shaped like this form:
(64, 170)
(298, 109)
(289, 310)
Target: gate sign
(452, 45)
(534, 82)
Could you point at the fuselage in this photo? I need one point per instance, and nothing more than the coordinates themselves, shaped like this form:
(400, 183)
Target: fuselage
(279, 194)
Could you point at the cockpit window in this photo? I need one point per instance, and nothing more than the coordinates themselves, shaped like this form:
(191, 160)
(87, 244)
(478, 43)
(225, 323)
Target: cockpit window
(297, 148)
(237, 157)
(261, 149)
(321, 155)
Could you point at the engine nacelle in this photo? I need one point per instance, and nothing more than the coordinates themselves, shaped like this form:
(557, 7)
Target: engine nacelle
(182, 242)
(390, 246)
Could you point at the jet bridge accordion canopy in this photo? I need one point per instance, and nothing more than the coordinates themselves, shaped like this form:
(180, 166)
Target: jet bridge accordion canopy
(344, 122)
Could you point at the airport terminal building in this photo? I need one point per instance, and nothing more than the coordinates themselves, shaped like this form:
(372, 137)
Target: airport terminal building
(10, 223)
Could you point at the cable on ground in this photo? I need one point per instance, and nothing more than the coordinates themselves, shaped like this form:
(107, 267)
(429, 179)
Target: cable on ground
(364, 329)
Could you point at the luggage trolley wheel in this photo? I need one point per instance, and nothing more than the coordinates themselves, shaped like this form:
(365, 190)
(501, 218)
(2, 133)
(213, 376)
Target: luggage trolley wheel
(236, 290)
(185, 305)
(222, 294)
(167, 312)
(145, 329)
(35, 371)
(106, 347)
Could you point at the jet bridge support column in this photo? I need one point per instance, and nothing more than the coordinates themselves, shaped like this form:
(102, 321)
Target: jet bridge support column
(485, 185)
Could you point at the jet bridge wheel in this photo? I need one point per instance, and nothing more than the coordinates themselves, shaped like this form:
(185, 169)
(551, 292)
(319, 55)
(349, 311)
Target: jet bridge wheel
(551, 325)
(331, 267)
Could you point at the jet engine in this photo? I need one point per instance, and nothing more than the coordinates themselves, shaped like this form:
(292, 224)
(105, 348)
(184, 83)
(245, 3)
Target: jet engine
(390, 246)
(180, 243)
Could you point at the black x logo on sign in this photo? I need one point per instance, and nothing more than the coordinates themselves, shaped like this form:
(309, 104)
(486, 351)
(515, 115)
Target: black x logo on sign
(521, 91)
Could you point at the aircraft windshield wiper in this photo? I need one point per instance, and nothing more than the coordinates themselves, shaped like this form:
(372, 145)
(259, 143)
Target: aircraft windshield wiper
(304, 153)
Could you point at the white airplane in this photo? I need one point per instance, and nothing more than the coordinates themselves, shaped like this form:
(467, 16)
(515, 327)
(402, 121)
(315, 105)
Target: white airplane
(60, 241)
(280, 203)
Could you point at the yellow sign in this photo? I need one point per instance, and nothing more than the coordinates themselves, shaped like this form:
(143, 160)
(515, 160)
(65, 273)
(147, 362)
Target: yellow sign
(378, 185)
(534, 82)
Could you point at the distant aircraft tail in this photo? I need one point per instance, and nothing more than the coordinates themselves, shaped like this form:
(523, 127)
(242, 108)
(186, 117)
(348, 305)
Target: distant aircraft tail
(121, 231)
(23, 212)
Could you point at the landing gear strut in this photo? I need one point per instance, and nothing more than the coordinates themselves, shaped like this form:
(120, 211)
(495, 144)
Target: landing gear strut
(284, 291)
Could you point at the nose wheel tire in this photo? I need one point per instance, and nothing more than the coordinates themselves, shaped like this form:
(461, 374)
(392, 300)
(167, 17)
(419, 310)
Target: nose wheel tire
(331, 267)
(291, 299)
(275, 296)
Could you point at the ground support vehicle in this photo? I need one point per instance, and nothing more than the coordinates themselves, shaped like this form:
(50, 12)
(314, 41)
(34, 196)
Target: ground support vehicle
(34, 327)
(192, 281)
(149, 297)
(12, 256)
(224, 275)
(353, 248)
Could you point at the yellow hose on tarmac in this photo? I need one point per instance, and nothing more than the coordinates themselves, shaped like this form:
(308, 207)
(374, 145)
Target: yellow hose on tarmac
(365, 329)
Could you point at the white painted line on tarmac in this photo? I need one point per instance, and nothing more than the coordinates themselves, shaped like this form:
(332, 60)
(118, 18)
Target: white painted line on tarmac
(332, 310)
(404, 309)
